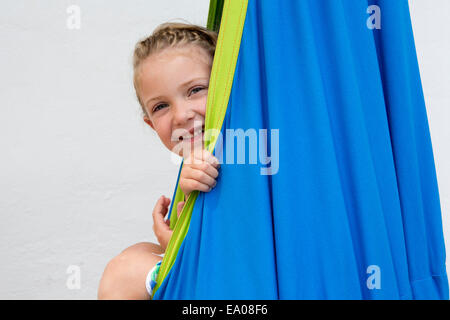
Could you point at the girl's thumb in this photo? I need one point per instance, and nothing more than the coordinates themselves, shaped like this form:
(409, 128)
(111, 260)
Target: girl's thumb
(180, 207)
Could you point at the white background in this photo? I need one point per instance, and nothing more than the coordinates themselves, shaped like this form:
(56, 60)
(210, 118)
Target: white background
(80, 171)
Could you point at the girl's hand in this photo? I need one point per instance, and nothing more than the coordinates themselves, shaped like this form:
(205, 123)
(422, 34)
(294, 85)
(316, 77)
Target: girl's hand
(160, 226)
(199, 172)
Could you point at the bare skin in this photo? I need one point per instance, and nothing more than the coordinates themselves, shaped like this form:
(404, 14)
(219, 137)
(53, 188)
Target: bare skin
(124, 276)
(174, 88)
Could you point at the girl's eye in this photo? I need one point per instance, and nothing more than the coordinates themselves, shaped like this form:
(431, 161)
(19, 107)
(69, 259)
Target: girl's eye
(193, 91)
(158, 107)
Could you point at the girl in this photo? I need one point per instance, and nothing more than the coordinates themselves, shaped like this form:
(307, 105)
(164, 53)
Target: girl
(171, 76)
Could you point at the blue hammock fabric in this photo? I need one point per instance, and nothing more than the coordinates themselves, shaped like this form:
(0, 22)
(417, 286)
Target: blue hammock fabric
(355, 195)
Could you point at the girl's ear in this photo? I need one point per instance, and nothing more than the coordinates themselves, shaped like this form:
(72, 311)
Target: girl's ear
(148, 121)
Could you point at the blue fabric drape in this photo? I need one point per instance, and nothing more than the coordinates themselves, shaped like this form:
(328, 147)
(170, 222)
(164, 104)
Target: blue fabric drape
(355, 197)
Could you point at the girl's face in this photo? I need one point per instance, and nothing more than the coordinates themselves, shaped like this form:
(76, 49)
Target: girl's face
(174, 89)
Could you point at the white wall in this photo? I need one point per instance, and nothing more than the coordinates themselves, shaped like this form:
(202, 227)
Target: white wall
(431, 34)
(80, 171)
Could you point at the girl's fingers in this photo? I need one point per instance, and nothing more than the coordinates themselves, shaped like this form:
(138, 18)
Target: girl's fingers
(203, 156)
(161, 205)
(166, 207)
(197, 185)
(201, 177)
(167, 201)
(160, 211)
(208, 157)
(200, 174)
(204, 173)
(180, 208)
(158, 219)
(160, 226)
(207, 168)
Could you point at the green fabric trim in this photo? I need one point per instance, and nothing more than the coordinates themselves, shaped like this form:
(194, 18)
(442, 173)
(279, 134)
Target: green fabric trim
(222, 74)
(179, 196)
(215, 15)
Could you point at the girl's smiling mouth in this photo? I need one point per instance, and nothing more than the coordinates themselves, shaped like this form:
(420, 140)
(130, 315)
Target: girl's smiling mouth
(193, 134)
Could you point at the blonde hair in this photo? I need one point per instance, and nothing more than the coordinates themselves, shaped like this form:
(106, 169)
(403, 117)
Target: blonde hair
(169, 35)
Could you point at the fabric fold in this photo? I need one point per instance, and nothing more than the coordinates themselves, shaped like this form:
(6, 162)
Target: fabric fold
(351, 209)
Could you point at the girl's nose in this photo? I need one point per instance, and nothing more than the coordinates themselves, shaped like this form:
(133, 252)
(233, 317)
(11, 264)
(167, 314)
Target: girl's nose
(182, 113)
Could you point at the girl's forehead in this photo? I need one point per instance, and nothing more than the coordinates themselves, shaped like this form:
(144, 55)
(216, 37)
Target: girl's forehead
(172, 66)
(190, 51)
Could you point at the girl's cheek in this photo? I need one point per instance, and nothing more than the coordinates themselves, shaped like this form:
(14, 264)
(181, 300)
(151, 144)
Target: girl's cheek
(202, 106)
